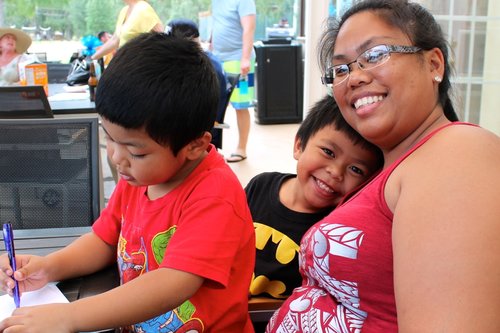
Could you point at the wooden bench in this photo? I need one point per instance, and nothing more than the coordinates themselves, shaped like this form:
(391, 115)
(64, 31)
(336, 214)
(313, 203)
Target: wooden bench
(262, 308)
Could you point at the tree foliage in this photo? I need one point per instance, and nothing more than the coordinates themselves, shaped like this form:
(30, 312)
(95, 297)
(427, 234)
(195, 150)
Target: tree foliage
(76, 18)
(172, 9)
(101, 16)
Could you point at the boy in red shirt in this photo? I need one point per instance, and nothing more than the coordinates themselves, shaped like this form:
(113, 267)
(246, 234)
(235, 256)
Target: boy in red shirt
(177, 223)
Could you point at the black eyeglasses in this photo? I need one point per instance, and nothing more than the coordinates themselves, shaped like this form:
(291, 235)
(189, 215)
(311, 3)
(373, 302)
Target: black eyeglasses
(369, 59)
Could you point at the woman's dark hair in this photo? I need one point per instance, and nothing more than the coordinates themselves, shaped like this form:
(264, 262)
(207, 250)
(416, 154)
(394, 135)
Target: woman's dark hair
(411, 18)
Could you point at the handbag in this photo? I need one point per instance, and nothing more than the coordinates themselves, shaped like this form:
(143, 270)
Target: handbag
(79, 72)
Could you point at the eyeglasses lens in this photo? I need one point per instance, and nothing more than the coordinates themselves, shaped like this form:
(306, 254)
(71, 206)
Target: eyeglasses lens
(371, 58)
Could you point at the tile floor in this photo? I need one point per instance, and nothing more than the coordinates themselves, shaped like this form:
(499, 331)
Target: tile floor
(269, 148)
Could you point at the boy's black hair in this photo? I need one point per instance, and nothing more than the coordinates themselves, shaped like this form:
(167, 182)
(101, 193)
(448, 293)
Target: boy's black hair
(100, 34)
(163, 84)
(182, 28)
(326, 112)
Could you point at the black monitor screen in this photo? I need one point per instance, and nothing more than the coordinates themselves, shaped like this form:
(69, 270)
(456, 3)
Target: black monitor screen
(24, 102)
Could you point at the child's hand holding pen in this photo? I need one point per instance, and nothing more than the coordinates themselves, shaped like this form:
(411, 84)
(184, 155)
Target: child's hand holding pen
(29, 274)
(8, 238)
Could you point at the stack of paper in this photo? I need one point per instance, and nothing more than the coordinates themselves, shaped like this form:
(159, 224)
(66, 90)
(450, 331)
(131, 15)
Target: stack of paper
(46, 295)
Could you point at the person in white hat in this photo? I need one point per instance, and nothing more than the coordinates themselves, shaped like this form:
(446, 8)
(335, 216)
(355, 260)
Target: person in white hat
(13, 45)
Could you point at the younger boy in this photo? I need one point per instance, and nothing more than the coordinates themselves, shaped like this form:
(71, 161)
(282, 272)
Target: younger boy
(177, 223)
(332, 160)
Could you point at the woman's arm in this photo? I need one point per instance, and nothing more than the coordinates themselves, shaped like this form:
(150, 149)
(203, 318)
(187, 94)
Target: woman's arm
(446, 234)
(108, 47)
(158, 28)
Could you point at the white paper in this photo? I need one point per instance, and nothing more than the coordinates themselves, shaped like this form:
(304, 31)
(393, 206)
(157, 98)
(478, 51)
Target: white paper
(70, 96)
(46, 295)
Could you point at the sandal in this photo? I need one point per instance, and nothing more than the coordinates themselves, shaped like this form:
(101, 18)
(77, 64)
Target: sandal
(233, 158)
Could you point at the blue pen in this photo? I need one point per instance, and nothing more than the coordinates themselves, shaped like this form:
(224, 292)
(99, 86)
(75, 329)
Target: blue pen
(8, 238)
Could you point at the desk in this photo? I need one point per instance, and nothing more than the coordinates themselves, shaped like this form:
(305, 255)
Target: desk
(68, 106)
(41, 242)
(45, 241)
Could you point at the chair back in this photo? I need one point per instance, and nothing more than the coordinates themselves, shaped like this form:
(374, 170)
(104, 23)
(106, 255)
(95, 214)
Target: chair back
(232, 81)
(49, 172)
(57, 72)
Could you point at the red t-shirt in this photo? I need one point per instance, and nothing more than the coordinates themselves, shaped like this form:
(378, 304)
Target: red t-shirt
(203, 227)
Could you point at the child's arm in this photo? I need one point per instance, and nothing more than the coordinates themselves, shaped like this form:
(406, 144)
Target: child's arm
(145, 297)
(85, 255)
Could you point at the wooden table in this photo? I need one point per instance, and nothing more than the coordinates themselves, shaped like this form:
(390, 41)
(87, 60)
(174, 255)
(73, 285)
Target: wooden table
(261, 309)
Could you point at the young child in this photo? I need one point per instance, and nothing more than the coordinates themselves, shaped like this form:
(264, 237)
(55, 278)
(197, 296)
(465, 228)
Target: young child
(177, 223)
(332, 160)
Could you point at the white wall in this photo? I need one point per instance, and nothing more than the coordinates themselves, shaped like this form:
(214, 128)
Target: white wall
(316, 12)
(490, 117)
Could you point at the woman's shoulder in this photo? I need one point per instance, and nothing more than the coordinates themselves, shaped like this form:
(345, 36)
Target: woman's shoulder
(464, 138)
(143, 5)
(469, 129)
(468, 138)
(455, 157)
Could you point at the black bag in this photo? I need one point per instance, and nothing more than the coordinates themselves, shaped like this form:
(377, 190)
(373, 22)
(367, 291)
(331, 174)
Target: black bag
(79, 72)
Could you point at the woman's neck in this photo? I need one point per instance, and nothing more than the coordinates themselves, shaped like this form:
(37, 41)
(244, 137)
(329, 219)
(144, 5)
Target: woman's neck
(436, 120)
(6, 57)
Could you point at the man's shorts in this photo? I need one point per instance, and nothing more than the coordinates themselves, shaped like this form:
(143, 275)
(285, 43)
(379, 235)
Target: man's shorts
(241, 99)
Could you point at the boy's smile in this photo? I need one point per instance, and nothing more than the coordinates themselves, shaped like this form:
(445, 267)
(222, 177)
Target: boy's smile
(329, 167)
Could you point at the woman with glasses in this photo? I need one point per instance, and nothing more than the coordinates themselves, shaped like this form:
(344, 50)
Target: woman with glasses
(418, 248)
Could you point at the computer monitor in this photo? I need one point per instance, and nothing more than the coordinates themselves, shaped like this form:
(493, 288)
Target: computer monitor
(24, 102)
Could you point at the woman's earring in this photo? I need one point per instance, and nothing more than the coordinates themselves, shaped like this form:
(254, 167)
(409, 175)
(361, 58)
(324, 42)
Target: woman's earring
(438, 78)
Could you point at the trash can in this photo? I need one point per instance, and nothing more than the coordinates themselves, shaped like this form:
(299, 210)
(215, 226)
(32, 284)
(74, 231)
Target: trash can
(279, 83)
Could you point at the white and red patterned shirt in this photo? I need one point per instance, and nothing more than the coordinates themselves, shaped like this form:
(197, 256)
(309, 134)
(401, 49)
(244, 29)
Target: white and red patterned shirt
(346, 262)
